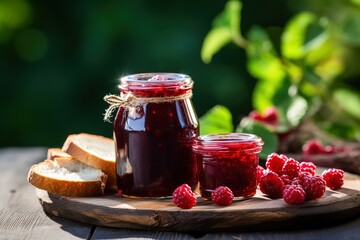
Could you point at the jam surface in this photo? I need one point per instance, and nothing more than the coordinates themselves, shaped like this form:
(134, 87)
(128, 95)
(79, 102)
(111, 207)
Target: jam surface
(153, 144)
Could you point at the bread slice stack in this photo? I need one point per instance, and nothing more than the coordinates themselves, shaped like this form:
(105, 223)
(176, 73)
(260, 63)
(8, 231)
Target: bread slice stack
(84, 167)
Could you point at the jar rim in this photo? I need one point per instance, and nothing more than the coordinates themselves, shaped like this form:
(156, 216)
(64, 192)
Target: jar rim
(144, 80)
(228, 142)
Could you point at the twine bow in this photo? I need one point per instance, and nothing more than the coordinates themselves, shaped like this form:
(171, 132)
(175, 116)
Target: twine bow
(128, 99)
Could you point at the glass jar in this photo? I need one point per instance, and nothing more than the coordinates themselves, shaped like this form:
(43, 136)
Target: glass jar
(154, 133)
(228, 160)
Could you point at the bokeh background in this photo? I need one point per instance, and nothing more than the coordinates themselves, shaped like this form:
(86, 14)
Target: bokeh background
(58, 59)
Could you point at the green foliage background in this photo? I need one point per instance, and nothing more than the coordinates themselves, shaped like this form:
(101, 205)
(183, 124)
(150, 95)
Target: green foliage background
(58, 60)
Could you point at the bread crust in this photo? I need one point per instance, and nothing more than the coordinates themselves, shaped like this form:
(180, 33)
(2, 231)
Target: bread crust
(56, 152)
(64, 187)
(81, 154)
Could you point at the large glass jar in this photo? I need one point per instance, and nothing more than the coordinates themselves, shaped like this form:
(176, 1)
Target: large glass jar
(154, 130)
(228, 160)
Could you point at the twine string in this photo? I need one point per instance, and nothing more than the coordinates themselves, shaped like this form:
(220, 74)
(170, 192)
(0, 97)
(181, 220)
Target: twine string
(129, 100)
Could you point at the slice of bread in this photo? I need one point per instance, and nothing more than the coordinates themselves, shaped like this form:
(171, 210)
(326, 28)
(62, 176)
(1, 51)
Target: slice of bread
(68, 177)
(96, 151)
(56, 153)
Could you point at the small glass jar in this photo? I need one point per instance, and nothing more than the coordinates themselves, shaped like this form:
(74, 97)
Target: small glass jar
(228, 160)
(154, 134)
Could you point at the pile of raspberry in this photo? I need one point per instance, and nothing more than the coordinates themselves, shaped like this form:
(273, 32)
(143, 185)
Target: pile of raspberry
(296, 182)
(283, 178)
(314, 147)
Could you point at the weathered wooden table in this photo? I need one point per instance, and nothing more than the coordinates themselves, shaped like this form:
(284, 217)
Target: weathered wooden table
(22, 217)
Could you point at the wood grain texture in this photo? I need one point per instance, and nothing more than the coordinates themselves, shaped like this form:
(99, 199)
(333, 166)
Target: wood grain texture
(250, 214)
(21, 215)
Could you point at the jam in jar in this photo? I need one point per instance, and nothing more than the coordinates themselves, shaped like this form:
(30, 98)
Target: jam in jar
(154, 130)
(228, 160)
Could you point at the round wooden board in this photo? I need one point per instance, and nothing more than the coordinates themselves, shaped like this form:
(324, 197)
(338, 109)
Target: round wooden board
(258, 213)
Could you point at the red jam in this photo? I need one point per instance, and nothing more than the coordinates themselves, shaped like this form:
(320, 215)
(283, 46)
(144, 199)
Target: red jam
(228, 160)
(154, 138)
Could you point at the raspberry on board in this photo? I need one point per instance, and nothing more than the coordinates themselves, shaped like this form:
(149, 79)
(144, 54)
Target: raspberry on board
(308, 167)
(314, 186)
(275, 163)
(183, 197)
(222, 196)
(286, 179)
(291, 168)
(334, 178)
(260, 173)
(312, 147)
(271, 184)
(294, 194)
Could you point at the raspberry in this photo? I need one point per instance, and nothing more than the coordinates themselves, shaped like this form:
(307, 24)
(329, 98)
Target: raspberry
(260, 173)
(314, 186)
(294, 194)
(333, 178)
(329, 149)
(291, 168)
(308, 167)
(313, 146)
(271, 184)
(255, 115)
(275, 162)
(183, 197)
(222, 196)
(286, 179)
(271, 115)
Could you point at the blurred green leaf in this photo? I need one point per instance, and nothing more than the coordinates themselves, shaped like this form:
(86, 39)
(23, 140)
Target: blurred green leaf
(310, 75)
(302, 34)
(263, 62)
(349, 27)
(230, 17)
(348, 100)
(271, 142)
(356, 2)
(226, 28)
(216, 120)
(216, 39)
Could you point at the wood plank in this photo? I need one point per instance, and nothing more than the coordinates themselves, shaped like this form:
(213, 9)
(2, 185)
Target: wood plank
(347, 230)
(115, 233)
(113, 211)
(21, 215)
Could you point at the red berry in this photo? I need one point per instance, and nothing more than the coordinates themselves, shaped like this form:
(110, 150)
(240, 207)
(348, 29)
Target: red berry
(291, 168)
(222, 196)
(271, 115)
(286, 179)
(260, 173)
(271, 184)
(308, 167)
(275, 162)
(334, 178)
(294, 194)
(183, 197)
(314, 186)
(255, 115)
(313, 146)
(329, 149)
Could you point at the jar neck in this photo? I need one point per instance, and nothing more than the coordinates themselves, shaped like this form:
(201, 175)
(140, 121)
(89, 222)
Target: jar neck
(149, 85)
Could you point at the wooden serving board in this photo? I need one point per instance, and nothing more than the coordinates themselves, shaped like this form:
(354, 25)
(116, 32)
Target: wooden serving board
(258, 213)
